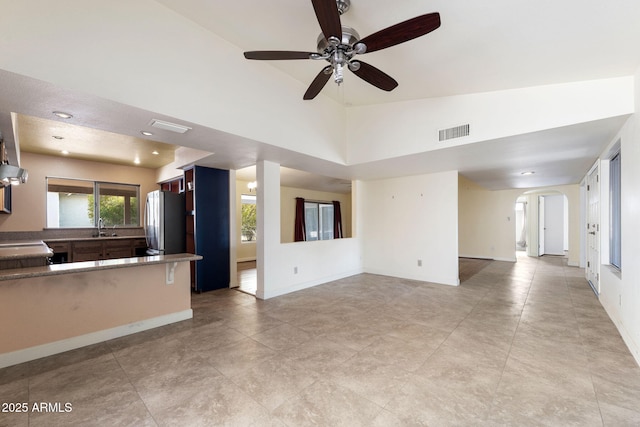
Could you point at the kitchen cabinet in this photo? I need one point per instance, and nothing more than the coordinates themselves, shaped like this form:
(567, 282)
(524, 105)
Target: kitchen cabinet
(117, 249)
(208, 226)
(174, 186)
(61, 252)
(87, 251)
(96, 249)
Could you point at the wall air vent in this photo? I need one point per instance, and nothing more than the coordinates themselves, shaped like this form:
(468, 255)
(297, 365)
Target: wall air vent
(454, 132)
(161, 124)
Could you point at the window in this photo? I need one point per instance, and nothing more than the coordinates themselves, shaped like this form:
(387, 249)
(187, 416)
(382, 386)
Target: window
(318, 220)
(249, 220)
(75, 203)
(615, 241)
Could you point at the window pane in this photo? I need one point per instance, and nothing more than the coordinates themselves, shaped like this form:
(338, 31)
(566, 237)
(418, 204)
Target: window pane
(69, 203)
(615, 242)
(249, 219)
(311, 220)
(118, 204)
(326, 222)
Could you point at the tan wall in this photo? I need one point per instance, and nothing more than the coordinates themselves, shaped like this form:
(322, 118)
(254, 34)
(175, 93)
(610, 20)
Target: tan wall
(288, 209)
(486, 220)
(42, 310)
(29, 200)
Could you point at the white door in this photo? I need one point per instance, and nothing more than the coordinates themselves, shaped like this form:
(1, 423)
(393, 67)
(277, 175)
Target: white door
(554, 225)
(593, 229)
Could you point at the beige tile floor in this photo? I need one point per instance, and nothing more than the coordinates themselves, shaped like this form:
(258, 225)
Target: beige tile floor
(516, 344)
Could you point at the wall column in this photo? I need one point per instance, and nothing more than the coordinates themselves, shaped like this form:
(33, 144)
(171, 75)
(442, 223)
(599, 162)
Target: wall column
(268, 210)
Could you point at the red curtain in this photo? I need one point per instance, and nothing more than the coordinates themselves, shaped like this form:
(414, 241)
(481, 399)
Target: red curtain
(337, 220)
(299, 231)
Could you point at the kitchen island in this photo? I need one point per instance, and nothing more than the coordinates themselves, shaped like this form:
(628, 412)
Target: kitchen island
(51, 309)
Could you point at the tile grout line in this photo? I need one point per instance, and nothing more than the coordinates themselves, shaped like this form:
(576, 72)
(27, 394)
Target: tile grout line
(506, 361)
(582, 346)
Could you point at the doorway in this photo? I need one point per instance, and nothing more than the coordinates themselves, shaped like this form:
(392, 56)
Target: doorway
(521, 225)
(552, 225)
(247, 277)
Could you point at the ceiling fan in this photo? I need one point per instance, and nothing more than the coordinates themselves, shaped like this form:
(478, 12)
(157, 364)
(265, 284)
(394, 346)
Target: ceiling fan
(338, 45)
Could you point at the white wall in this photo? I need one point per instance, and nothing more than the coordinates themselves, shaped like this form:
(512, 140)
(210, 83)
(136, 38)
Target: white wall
(409, 219)
(620, 291)
(377, 132)
(315, 262)
(142, 54)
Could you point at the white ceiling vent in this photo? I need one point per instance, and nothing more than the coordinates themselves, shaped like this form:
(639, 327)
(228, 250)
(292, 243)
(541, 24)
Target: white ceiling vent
(454, 132)
(160, 124)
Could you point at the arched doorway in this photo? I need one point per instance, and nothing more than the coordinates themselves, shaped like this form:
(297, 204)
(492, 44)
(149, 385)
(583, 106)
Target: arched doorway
(541, 223)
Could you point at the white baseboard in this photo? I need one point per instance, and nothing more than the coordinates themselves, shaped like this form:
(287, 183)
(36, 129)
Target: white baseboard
(305, 285)
(44, 350)
(510, 259)
(633, 347)
(506, 259)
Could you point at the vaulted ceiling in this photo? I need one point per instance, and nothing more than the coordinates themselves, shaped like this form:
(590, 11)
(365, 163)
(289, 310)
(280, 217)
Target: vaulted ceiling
(480, 47)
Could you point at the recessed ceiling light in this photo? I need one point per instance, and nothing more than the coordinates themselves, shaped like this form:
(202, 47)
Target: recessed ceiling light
(136, 161)
(527, 173)
(155, 152)
(57, 136)
(65, 152)
(63, 115)
(145, 133)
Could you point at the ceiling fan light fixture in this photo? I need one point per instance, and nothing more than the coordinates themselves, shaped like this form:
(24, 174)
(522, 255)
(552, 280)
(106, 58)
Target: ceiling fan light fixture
(343, 6)
(338, 44)
(359, 48)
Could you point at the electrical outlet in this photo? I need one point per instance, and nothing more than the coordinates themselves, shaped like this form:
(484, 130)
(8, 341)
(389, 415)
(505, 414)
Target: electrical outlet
(419, 263)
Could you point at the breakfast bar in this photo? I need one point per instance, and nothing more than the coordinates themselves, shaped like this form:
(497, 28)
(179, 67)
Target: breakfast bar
(49, 309)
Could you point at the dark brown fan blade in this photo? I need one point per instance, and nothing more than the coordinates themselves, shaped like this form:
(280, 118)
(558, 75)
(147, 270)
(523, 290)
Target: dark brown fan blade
(402, 32)
(371, 74)
(328, 18)
(318, 83)
(273, 55)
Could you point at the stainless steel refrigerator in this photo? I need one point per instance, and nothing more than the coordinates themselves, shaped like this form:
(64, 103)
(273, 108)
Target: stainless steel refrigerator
(164, 223)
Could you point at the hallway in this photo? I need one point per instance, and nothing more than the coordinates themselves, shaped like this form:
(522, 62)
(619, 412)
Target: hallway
(516, 344)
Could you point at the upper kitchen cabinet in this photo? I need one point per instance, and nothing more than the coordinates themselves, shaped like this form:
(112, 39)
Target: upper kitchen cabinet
(208, 222)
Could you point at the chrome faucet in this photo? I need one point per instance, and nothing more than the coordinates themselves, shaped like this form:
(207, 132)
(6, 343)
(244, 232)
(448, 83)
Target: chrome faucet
(101, 228)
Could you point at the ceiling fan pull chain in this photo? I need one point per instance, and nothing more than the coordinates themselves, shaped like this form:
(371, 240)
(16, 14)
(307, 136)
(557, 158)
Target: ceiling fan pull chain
(338, 74)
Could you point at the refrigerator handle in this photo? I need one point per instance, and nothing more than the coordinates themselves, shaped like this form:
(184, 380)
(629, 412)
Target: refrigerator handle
(146, 221)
